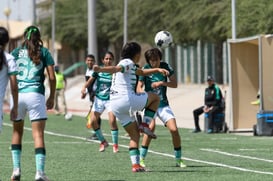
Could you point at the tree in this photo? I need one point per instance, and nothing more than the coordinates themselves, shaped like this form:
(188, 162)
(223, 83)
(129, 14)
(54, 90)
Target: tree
(187, 20)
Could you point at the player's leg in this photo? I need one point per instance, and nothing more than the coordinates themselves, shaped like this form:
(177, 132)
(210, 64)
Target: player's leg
(38, 117)
(151, 103)
(17, 136)
(167, 117)
(97, 109)
(16, 148)
(93, 135)
(94, 121)
(113, 126)
(114, 130)
(132, 130)
(151, 107)
(145, 144)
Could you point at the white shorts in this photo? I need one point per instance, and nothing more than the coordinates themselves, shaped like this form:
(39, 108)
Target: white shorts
(124, 106)
(165, 114)
(100, 105)
(32, 103)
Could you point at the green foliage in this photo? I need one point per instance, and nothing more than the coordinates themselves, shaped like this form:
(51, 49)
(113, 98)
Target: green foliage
(187, 20)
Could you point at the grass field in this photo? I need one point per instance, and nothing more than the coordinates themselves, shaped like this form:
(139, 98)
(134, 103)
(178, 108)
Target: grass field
(208, 156)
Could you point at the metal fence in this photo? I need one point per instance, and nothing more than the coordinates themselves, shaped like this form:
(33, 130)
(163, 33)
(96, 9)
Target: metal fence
(194, 62)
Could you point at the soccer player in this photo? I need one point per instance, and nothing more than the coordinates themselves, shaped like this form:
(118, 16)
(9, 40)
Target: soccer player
(158, 84)
(8, 71)
(32, 59)
(102, 102)
(91, 89)
(125, 101)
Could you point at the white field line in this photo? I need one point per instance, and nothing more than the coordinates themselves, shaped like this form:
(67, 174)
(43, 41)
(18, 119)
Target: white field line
(157, 153)
(236, 155)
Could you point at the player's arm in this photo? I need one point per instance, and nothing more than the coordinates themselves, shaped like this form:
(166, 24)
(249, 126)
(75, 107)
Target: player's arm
(140, 86)
(14, 93)
(172, 83)
(52, 84)
(145, 72)
(108, 69)
(86, 85)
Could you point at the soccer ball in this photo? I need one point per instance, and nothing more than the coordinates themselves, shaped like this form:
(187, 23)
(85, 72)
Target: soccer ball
(68, 116)
(163, 39)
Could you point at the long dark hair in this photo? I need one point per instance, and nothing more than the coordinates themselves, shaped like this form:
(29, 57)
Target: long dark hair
(4, 39)
(33, 43)
(152, 53)
(110, 53)
(130, 49)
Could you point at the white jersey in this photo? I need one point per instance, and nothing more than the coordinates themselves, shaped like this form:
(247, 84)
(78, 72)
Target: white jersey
(125, 82)
(88, 74)
(124, 100)
(9, 68)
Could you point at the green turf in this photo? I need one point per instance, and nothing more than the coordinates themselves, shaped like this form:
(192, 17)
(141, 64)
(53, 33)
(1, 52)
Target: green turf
(208, 156)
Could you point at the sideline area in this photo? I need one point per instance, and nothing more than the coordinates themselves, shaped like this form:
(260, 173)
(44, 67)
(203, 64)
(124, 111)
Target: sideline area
(182, 100)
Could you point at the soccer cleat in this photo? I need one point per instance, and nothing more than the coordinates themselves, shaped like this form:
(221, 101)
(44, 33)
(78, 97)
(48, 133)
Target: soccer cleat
(115, 148)
(144, 128)
(16, 175)
(196, 130)
(92, 137)
(137, 168)
(103, 145)
(40, 176)
(180, 163)
(210, 131)
(142, 163)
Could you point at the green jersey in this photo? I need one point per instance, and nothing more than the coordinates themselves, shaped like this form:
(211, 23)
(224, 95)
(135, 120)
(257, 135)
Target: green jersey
(104, 82)
(157, 77)
(31, 77)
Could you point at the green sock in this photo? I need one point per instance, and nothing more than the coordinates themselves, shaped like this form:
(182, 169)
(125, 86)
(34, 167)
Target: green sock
(143, 151)
(134, 155)
(40, 155)
(16, 155)
(99, 135)
(114, 134)
(178, 153)
(148, 115)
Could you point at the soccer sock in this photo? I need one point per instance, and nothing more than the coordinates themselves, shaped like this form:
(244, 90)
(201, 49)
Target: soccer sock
(40, 155)
(148, 115)
(16, 155)
(178, 153)
(143, 151)
(134, 155)
(99, 135)
(114, 134)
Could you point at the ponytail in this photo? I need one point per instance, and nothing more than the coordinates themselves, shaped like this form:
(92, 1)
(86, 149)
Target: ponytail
(33, 43)
(4, 39)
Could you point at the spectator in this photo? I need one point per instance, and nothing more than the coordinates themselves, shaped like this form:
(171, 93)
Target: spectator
(212, 105)
(60, 91)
